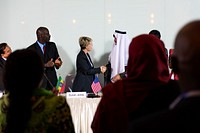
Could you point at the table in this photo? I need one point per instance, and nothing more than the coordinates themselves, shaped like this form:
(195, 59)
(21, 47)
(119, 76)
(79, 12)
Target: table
(82, 111)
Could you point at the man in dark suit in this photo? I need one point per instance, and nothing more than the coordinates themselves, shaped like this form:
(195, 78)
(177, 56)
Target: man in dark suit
(158, 35)
(5, 51)
(183, 115)
(49, 54)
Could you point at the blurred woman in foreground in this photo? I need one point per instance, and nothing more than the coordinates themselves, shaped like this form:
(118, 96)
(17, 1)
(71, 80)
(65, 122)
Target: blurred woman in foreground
(25, 108)
(146, 89)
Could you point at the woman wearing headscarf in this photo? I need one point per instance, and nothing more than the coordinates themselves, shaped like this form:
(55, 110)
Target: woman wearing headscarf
(146, 89)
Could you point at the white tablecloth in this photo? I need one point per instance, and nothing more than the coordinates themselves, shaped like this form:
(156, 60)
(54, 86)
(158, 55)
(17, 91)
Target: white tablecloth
(82, 111)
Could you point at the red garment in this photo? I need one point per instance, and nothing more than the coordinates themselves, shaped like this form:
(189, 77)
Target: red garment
(147, 69)
(173, 76)
(171, 51)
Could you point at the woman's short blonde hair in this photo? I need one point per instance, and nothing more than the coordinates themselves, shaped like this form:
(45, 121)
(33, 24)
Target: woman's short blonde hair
(84, 41)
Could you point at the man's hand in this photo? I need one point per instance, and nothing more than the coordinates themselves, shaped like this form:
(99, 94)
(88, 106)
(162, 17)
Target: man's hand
(116, 78)
(58, 62)
(50, 63)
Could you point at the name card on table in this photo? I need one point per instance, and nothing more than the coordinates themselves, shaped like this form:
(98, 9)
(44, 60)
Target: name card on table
(76, 95)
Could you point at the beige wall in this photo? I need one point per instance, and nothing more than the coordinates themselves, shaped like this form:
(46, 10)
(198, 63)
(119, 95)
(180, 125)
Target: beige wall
(95, 18)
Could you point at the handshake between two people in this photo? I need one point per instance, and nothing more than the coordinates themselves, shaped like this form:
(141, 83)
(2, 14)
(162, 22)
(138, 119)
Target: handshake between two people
(51, 63)
(103, 69)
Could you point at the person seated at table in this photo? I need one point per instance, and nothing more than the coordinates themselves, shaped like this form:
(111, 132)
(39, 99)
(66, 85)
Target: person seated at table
(146, 89)
(5, 51)
(27, 108)
(183, 114)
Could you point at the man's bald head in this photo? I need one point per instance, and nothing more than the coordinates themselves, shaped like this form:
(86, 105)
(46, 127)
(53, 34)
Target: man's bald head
(187, 54)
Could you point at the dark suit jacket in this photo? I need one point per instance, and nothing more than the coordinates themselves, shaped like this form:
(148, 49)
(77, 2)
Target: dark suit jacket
(183, 118)
(2, 64)
(85, 73)
(51, 52)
